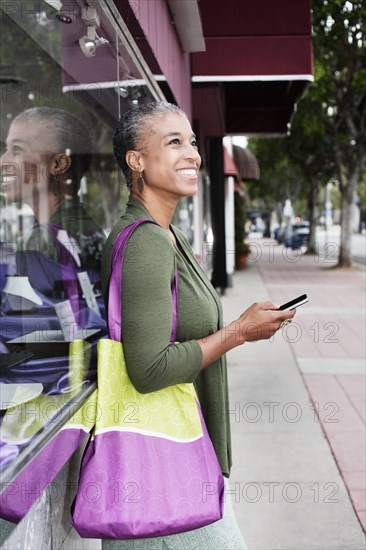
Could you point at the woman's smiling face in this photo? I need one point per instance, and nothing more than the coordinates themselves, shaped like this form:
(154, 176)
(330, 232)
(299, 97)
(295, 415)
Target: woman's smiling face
(24, 164)
(169, 156)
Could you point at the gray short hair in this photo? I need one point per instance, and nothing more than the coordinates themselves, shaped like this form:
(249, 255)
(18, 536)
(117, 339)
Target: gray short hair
(67, 131)
(131, 127)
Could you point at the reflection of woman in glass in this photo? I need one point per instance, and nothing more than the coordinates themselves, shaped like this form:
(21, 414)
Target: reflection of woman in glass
(48, 152)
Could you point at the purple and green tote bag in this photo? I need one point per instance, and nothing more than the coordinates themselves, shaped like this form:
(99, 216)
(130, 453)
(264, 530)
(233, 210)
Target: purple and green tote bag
(150, 468)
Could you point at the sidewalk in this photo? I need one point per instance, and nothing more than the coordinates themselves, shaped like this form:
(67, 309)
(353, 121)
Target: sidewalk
(298, 407)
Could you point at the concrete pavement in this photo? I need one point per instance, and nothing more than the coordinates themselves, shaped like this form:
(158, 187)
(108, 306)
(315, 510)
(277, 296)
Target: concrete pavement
(297, 406)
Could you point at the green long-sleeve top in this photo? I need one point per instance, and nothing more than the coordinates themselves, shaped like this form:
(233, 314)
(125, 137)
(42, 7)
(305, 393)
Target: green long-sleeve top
(152, 362)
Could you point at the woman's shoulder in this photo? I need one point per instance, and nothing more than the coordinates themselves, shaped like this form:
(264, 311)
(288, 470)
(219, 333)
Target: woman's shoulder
(134, 212)
(147, 229)
(148, 243)
(148, 248)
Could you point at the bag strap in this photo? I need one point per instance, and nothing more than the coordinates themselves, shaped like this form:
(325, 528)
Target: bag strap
(69, 268)
(66, 258)
(115, 284)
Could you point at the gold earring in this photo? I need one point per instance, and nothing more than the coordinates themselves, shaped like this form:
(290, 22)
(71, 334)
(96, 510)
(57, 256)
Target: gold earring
(140, 183)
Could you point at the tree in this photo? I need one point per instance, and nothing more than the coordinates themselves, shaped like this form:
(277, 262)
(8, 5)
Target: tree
(328, 134)
(280, 179)
(309, 147)
(339, 48)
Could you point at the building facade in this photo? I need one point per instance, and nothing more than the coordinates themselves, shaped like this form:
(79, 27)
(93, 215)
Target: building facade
(235, 68)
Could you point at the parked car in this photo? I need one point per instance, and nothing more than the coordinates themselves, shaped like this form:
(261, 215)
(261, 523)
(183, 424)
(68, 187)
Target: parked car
(299, 237)
(302, 229)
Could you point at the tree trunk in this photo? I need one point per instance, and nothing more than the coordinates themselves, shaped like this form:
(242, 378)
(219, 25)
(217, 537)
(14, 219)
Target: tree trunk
(345, 253)
(347, 201)
(348, 193)
(314, 189)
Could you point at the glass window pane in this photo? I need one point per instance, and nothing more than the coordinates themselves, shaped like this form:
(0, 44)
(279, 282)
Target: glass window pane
(64, 83)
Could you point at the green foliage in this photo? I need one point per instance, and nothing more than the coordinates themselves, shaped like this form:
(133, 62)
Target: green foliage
(328, 132)
(340, 88)
(362, 191)
(281, 177)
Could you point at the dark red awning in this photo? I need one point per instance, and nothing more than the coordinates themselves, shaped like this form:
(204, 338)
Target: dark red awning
(254, 58)
(259, 53)
(246, 163)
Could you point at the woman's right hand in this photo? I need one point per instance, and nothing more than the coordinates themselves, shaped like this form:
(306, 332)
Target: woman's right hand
(259, 322)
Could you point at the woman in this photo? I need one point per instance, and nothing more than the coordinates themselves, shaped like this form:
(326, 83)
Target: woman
(48, 152)
(157, 151)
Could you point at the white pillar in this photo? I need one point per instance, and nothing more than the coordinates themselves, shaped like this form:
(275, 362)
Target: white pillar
(229, 217)
(198, 219)
(229, 228)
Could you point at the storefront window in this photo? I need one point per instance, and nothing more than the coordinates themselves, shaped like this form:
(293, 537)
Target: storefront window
(65, 78)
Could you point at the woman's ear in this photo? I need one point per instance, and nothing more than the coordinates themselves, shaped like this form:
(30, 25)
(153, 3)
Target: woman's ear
(133, 160)
(59, 164)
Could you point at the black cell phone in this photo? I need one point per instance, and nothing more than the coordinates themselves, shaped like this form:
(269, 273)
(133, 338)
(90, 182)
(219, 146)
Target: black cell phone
(294, 303)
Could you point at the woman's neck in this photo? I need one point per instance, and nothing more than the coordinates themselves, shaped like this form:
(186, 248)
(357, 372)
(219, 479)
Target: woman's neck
(46, 207)
(161, 210)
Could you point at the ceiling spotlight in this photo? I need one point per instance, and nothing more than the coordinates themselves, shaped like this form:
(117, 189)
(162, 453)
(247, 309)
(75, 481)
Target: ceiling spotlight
(129, 90)
(91, 41)
(122, 91)
(90, 17)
